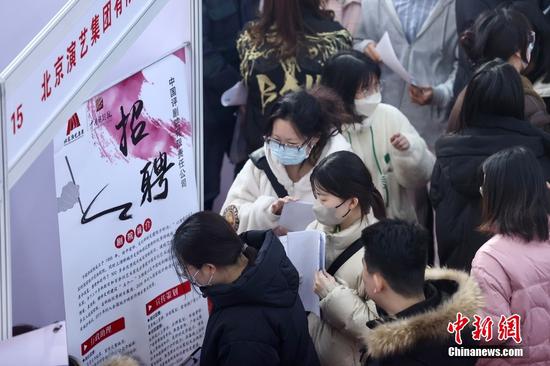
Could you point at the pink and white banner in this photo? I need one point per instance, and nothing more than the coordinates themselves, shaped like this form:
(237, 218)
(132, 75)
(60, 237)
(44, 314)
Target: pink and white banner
(125, 180)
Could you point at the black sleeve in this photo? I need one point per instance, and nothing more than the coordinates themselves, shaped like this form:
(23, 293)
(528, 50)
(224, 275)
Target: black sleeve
(468, 10)
(254, 238)
(217, 72)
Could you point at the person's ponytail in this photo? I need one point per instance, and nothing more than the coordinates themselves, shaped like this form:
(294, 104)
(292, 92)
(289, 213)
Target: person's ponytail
(377, 204)
(206, 237)
(467, 42)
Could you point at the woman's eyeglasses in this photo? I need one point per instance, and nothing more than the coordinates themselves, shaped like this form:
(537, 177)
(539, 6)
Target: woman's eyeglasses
(185, 276)
(270, 140)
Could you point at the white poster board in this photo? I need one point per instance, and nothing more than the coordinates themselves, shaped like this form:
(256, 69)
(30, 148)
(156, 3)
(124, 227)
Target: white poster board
(29, 123)
(125, 179)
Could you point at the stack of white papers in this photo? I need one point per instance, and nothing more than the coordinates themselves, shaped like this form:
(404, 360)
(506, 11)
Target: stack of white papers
(45, 346)
(306, 251)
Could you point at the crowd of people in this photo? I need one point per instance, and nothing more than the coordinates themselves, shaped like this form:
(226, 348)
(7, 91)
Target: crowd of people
(433, 194)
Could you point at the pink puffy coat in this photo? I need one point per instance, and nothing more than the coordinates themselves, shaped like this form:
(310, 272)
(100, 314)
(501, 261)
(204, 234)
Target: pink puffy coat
(514, 277)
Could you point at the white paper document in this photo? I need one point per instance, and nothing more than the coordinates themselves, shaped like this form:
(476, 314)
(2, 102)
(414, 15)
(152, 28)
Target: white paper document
(389, 58)
(296, 216)
(45, 346)
(235, 96)
(306, 251)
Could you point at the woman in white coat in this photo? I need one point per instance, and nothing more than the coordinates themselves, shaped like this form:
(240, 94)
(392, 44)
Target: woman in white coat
(391, 148)
(303, 129)
(347, 202)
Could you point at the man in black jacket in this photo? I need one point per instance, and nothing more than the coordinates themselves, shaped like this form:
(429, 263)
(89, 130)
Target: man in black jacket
(222, 20)
(415, 305)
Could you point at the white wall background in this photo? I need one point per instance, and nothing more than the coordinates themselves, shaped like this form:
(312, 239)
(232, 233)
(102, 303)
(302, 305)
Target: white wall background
(36, 263)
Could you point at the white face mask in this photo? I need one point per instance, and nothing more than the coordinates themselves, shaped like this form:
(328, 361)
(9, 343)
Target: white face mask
(366, 106)
(530, 49)
(329, 216)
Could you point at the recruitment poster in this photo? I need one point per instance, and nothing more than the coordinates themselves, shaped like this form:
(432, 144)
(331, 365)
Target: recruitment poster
(125, 180)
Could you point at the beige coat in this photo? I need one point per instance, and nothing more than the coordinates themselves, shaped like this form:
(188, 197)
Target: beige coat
(404, 171)
(345, 310)
(248, 202)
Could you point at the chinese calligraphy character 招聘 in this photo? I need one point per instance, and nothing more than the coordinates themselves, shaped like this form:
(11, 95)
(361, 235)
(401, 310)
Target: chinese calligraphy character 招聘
(137, 131)
(160, 168)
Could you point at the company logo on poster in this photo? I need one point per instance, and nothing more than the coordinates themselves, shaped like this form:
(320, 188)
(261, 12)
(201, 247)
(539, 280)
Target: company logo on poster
(74, 130)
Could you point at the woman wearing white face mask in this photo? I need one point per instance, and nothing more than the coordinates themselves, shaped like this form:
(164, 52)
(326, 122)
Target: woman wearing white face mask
(381, 135)
(346, 202)
(302, 129)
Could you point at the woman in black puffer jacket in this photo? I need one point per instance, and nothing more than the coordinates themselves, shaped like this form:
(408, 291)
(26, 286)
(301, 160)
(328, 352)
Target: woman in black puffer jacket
(257, 316)
(491, 120)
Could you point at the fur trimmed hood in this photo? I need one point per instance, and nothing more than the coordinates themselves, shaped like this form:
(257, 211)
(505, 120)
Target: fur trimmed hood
(398, 336)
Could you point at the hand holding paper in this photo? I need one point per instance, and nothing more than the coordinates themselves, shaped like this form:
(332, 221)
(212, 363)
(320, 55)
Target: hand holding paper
(324, 284)
(297, 215)
(420, 95)
(371, 51)
(277, 206)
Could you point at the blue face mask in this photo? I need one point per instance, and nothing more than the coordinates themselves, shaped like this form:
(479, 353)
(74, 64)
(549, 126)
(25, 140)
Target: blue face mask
(287, 155)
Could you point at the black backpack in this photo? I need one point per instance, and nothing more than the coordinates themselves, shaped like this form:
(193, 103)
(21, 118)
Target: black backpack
(260, 161)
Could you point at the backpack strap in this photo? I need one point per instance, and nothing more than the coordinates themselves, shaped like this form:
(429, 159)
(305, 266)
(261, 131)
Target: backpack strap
(344, 256)
(260, 161)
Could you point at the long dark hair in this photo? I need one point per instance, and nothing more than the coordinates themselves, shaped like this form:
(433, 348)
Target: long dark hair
(344, 175)
(540, 58)
(314, 113)
(346, 73)
(286, 18)
(495, 89)
(207, 237)
(515, 198)
(497, 33)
